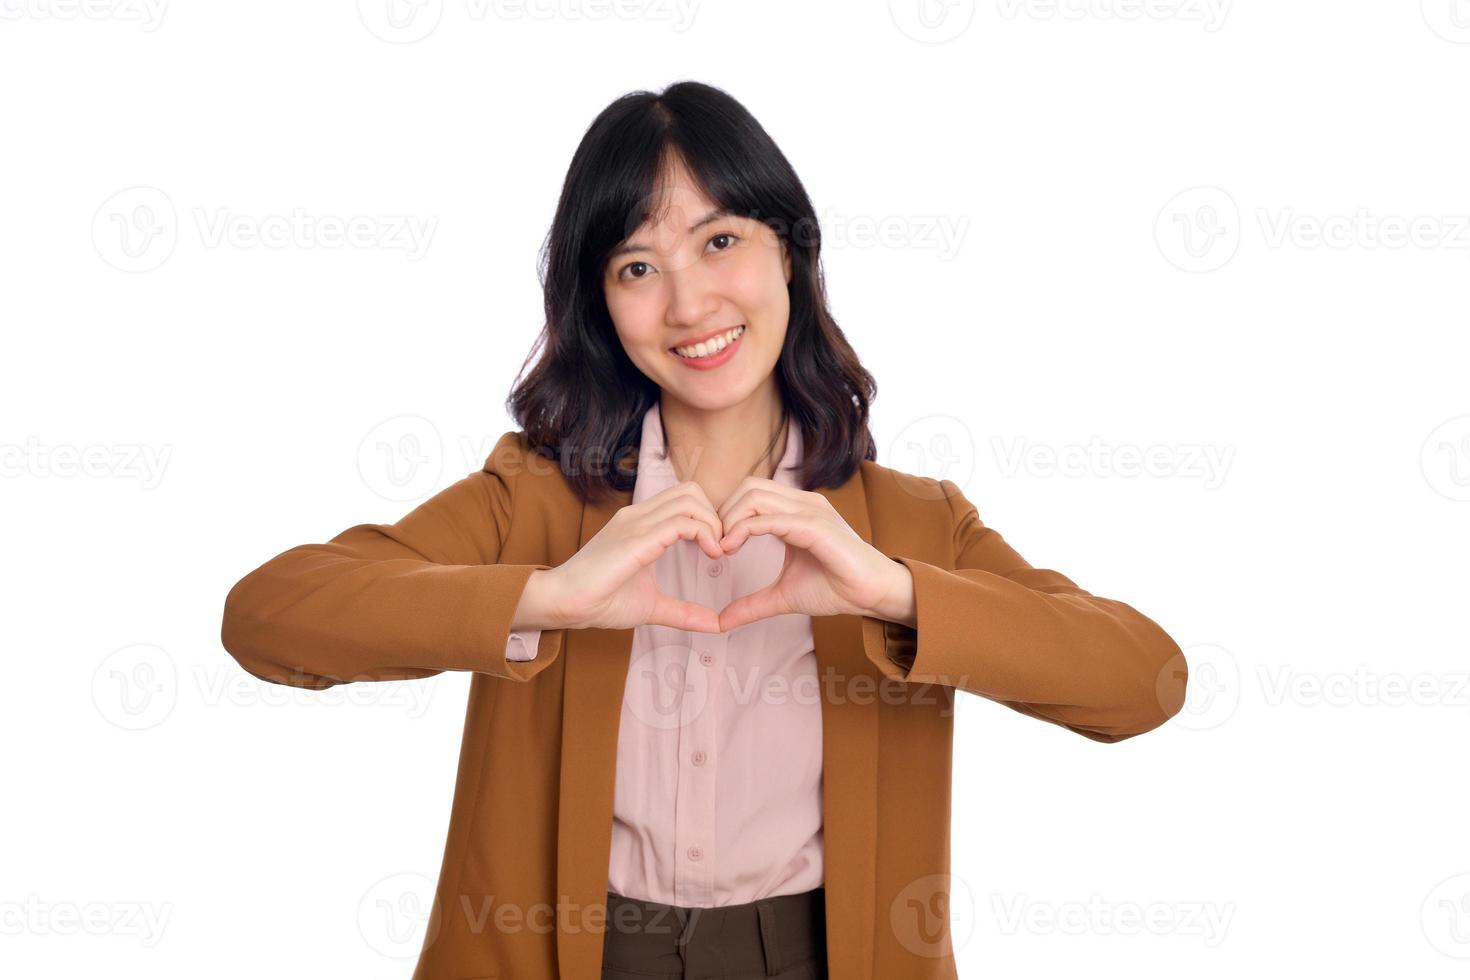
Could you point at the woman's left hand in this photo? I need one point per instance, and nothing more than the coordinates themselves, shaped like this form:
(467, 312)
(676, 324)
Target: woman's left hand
(829, 570)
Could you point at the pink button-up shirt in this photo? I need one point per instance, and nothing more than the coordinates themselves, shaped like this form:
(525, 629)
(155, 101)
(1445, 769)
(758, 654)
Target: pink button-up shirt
(718, 790)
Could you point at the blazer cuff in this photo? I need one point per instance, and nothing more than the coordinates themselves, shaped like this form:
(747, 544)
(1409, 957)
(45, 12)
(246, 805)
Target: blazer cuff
(929, 652)
(891, 647)
(548, 642)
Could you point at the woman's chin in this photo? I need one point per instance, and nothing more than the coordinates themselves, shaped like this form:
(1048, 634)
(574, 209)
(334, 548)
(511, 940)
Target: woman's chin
(707, 393)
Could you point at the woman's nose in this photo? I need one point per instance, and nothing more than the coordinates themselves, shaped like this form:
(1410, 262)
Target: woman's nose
(692, 301)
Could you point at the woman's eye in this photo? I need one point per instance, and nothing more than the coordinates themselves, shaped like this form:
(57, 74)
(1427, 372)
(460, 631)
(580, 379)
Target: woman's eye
(640, 270)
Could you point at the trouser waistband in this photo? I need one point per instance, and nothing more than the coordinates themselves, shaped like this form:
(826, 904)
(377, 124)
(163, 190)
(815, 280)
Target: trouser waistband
(759, 938)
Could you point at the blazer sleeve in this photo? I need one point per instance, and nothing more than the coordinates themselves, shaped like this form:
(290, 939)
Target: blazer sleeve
(1029, 638)
(393, 601)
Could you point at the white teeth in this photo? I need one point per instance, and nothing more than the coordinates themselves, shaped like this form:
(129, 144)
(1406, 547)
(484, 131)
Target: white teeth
(716, 344)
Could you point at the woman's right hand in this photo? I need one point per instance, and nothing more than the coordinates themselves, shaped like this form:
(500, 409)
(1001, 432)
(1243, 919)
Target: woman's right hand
(610, 584)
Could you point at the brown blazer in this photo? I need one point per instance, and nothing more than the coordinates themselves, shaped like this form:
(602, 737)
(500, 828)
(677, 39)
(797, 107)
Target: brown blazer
(523, 887)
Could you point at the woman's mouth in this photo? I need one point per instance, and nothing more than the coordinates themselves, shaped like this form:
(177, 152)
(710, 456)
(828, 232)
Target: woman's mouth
(710, 353)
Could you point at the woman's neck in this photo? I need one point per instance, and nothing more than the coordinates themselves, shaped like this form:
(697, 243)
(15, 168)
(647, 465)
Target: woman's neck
(718, 449)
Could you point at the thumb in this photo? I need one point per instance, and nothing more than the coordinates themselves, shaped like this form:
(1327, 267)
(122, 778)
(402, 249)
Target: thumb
(681, 615)
(761, 604)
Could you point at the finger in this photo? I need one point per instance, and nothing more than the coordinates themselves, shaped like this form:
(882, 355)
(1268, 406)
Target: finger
(691, 490)
(743, 490)
(679, 491)
(686, 494)
(681, 615)
(688, 529)
(794, 529)
(698, 492)
(688, 506)
(650, 542)
(761, 604)
(687, 488)
(757, 500)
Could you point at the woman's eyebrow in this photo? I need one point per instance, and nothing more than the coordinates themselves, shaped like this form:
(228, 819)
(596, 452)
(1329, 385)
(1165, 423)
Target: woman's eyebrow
(627, 247)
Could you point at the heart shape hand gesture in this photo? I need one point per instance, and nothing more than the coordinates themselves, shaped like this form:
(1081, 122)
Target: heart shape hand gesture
(829, 570)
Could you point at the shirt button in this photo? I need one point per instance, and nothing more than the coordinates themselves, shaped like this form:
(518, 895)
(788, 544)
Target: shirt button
(706, 658)
(696, 853)
(698, 758)
(716, 569)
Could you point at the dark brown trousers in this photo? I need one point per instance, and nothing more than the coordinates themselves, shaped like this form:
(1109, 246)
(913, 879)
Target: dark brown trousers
(779, 938)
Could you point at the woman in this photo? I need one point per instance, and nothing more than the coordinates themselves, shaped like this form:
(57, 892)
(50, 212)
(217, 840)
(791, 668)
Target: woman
(715, 645)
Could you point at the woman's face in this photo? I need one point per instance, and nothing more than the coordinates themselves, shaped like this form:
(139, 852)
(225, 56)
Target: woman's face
(685, 276)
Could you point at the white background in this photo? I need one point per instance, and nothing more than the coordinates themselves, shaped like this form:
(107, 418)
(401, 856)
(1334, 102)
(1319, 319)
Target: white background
(1229, 236)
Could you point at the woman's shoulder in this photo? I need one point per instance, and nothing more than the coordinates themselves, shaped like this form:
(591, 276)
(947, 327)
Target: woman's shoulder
(526, 470)
(889, 487)
(914, 507)
(513, 457)
(508, 453)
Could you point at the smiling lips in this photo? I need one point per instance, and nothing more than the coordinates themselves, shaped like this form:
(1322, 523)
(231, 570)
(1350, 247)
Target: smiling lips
(711, 352)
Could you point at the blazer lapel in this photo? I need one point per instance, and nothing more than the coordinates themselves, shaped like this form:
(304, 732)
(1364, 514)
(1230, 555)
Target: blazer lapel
(595, 674)
(849, 770)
